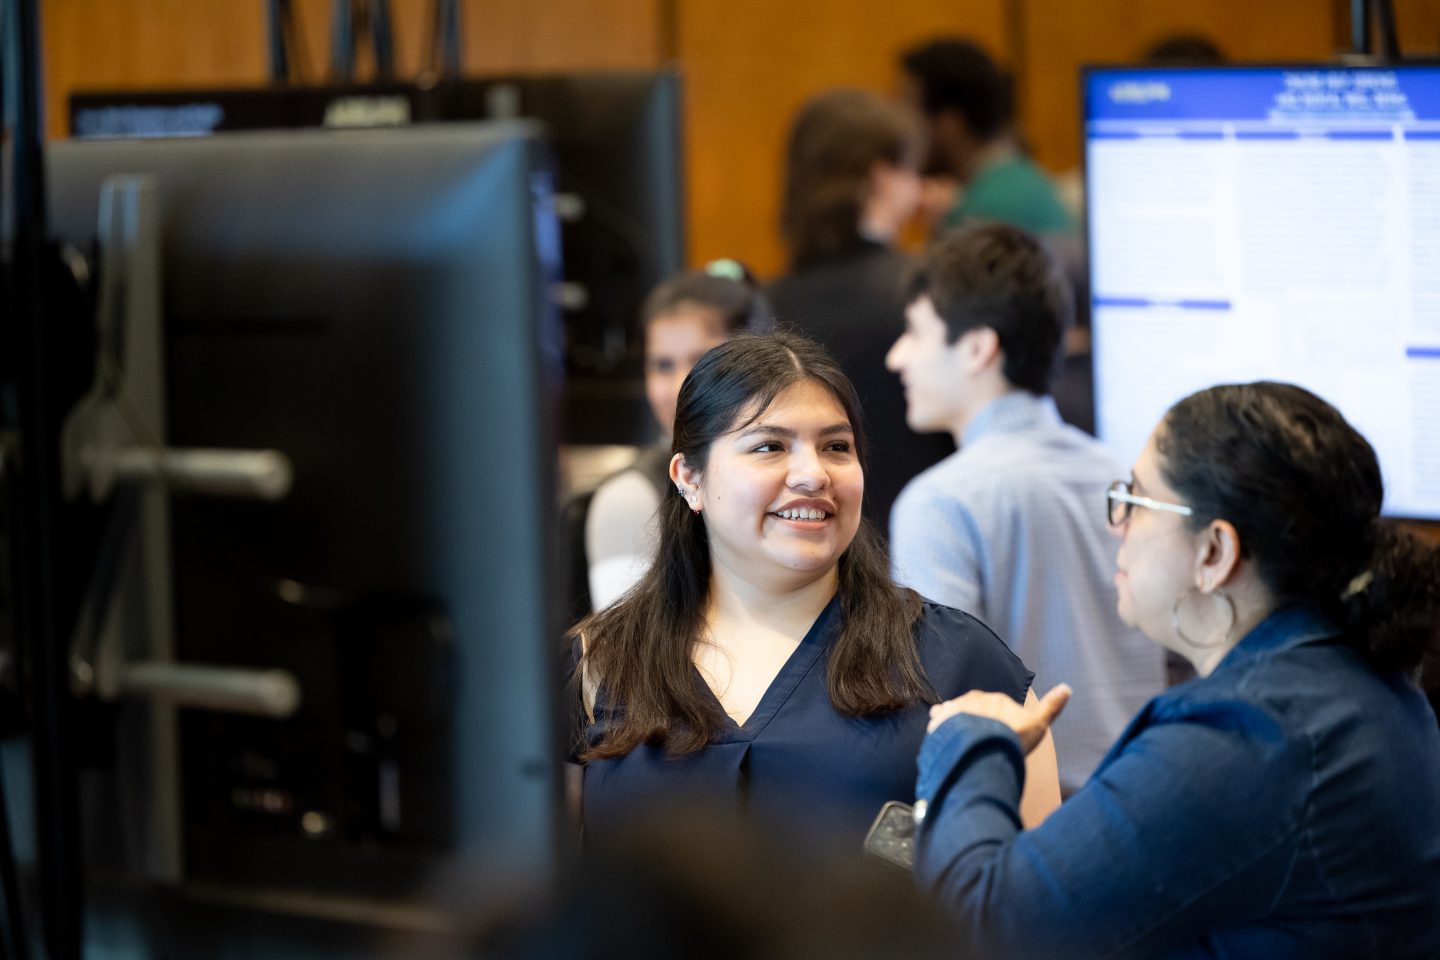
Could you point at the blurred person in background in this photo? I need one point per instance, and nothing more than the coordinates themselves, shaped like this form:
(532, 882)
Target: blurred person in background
(968, 103)
(683, 318)
(1284, 805)
(850, 184)
(1006, 528)
(766, 662)
(1185, 49)
(692, 884)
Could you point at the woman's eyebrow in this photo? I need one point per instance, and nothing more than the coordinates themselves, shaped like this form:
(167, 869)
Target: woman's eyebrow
(766, 428)
(779, 431)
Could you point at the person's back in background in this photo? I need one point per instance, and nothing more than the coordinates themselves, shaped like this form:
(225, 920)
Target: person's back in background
(1008, 528)
(850, 184)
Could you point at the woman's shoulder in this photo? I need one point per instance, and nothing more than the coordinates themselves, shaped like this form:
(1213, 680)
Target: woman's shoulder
(625, 492)
(960, 652)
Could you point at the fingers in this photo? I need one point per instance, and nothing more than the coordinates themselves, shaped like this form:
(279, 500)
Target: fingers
(976, 702)
(942, 712)
(1023, 719)
(1051, 705)
(967, 702)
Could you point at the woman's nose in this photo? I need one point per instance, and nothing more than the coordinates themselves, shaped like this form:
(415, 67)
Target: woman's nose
(807, 470)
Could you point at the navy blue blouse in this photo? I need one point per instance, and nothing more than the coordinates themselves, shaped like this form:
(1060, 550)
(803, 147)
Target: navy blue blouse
(796, 760)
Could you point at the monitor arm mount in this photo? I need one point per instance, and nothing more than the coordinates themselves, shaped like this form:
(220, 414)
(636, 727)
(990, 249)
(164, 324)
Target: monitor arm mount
(112, 446)
(112, 449)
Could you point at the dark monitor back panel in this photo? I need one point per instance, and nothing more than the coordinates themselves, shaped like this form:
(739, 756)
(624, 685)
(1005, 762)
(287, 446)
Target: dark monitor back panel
(377, 306)
(617, 149)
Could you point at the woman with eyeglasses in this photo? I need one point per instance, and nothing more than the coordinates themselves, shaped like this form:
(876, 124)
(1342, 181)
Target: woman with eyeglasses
(1286, 803)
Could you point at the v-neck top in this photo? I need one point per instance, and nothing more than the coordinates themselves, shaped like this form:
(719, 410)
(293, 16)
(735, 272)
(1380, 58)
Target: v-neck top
(796, 761)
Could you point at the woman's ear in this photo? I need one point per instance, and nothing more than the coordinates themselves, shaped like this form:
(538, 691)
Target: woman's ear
(685, 477)
(1218, 556)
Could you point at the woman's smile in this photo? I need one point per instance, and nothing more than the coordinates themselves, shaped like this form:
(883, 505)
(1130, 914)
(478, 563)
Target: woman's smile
(806, 514)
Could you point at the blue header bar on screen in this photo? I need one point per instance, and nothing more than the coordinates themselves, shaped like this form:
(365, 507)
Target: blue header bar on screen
(1264, 94)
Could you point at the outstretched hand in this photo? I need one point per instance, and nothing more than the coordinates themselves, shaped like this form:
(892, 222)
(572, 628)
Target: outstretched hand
(1029, 721)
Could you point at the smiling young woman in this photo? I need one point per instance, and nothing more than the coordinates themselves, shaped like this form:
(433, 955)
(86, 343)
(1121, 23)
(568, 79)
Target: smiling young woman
(766, 660)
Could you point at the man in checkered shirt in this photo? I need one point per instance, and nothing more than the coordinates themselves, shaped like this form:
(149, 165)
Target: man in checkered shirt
(1012, 527)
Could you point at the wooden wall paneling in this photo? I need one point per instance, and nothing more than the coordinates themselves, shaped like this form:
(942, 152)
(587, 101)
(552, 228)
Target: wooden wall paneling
(520, 36)
(119, 44)
(544, 35)
(501, 36)
(150, 44)
(749, 64)
(1061, 37)
(1418, 23)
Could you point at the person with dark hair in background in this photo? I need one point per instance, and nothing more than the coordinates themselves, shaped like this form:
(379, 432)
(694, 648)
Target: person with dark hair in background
(1185, 49)
(969, 104)
(683, 318)
(850, 185)
(1284, 805)
(1006, 528)
(766, 662)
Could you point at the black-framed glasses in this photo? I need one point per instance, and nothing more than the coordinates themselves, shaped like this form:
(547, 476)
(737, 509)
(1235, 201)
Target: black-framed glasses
(1120, 499)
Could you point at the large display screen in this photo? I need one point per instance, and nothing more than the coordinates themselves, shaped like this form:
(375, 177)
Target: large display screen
(1252, 223)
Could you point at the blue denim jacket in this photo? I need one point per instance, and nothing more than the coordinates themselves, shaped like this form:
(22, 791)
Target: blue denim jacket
(1288, 805)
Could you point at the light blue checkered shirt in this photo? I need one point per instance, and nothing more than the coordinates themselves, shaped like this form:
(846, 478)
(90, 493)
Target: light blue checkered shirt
(1012, 529)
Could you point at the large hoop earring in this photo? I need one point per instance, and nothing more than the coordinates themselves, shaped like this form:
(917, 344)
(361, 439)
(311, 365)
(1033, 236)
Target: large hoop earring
(1180, 632)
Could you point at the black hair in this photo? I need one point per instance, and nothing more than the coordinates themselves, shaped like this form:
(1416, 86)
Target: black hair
(1184, 49)
(1303, 489)
(725, 286)
(957, 74)
(998, 276)
(640, 649)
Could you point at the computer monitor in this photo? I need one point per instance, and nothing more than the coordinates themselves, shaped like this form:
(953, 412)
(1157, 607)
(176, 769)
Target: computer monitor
(377, 305)
(615, 136)
(1277, 223)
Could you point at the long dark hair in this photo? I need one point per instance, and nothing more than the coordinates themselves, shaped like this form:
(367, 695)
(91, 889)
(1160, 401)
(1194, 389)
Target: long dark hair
(835, 142)
(639, 650)
(1304, 491)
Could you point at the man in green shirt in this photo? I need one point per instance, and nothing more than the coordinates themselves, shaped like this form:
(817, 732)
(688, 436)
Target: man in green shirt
(969, 103)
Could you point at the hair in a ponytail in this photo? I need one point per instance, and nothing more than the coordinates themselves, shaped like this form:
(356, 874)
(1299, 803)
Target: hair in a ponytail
(1395, 601)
